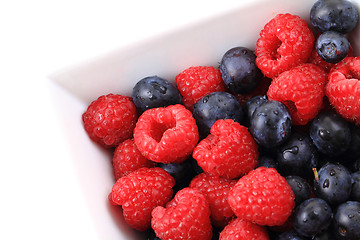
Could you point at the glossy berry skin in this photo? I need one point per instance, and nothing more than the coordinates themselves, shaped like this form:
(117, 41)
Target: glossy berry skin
(263, 197)
(311, 217)
(297, 156)
(270, 124)
(332, 46)
(346, 223)
(330, 133)
(152, 92)
(215, 106)
(239, 71)
(355, 189)
(300, 188)
(334, 183)
(250, 106)
(240, 229)
(334, 15)
(269, 162)
(187, 216)
(289, 235)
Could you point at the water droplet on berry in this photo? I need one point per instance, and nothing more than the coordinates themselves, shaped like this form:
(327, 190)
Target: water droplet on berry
(332, 172)
(276, 112)
(324, 134)
(326, 183)
(350, 215)
(292, 150)
(305, 220)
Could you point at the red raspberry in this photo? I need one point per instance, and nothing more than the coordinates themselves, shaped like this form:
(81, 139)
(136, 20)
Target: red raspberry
(285, 42)
(197, 82)
(127, 158)
(187, 216)
(343, 88)
(110, 119)
(140, 192)
(240, 229)
(263, 197)
(216, 191)
(229, 151)
(166, 134)
(302, 90)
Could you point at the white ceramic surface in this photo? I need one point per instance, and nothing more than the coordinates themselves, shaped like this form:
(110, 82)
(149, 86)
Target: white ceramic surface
(202, 43)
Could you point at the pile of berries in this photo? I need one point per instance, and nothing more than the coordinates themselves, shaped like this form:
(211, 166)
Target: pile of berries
(267, 146)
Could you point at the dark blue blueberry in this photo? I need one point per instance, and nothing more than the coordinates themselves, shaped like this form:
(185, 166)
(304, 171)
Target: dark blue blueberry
(330, 133)
(153, 92)
(269, 162)
(325, 235)
(346, 223)
(353, 152)
(239, 71)
(290, 235)
(355, 189)
(297, 156)
(333, 184)
(312, 217)
(334, 15)
(300, 188)
(183, 173)
(270, 124)
(332, 47)
(251, 105)
(215, 106)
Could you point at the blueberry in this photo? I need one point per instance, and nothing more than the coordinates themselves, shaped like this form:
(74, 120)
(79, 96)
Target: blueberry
(334, 15)
(251, 105)
(311, 217)
(332, 47)
(300, 188)
(289, 235)
(270, 124)
(153, 92)
(215, 106)
(355, 189)
(324, 235)
(333, 183)
(269, 162)
(353, 152)
(297, 156)
(239, 71)
(330, 133)
(347, 221)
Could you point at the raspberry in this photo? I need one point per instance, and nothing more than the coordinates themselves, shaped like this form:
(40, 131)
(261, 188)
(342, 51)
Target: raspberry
(262, 196)
(343, 88)
(197, 82)
(216, 191)
(127, 158)
(166, 134)
(110, 119)
(302, 90)
(285, 42)
(228, 152)
(187, 216)
(140, 192)
(240, 229)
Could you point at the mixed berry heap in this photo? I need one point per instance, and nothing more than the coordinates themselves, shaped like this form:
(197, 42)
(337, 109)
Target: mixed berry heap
(267, 146)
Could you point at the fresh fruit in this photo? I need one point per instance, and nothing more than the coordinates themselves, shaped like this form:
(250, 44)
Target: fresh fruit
(139, 193)
(333, 183)
(250, 106)
(269, 162)
(228, 152)
(301, 89)
(196, 82)
(300, 188)
(311, 217)
(332, 46)
(110, 119)
(330, 133)
(297, 156)
(270, 124)
(355, 188)
(346, 223)
(153, 92)
(187, 216)
(334, 15)
(285, 42)
(240, 229)
(160, 131)
(289, 235)
(262, 196)
(239, 71)
(127, 159)
(215, 106)
(343, 88)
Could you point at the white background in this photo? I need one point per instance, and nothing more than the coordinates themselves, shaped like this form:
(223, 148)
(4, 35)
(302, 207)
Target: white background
(40, 37)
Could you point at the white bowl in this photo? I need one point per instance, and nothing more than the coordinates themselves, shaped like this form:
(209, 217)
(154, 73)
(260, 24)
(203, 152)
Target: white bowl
(202, 43)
